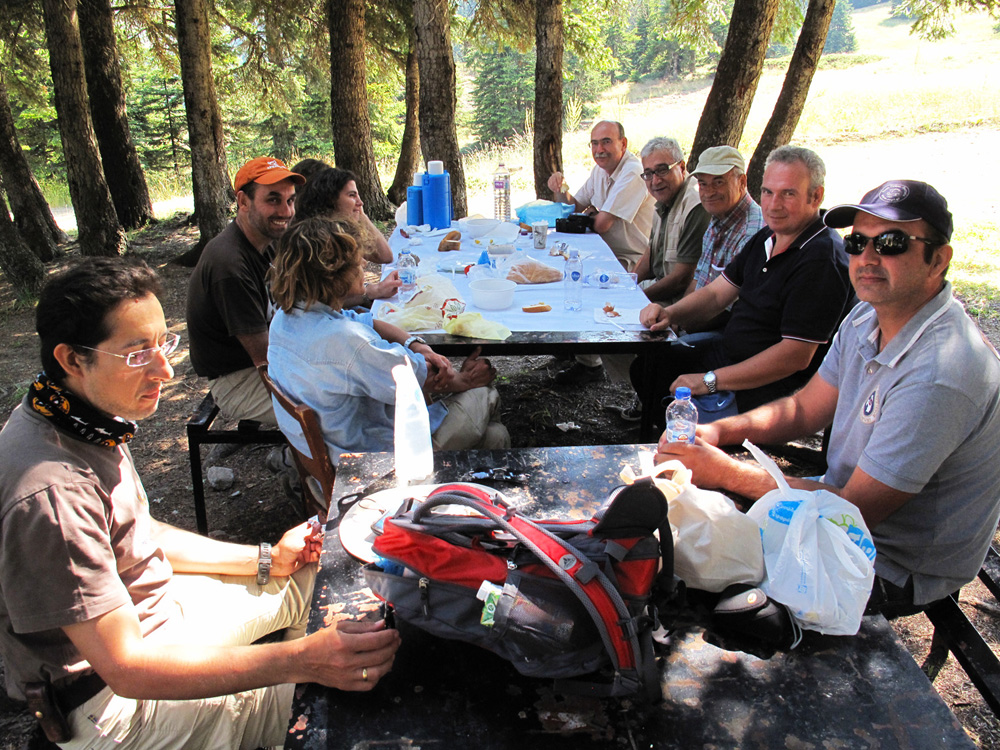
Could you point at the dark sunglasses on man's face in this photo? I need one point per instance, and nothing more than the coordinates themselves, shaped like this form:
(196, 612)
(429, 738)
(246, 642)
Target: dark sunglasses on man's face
(893, 242)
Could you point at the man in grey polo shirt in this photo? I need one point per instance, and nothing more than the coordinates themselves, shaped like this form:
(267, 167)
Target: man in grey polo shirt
(912, 389)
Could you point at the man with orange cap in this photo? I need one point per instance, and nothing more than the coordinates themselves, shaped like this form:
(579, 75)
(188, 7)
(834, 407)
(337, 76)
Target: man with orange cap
(228, 310)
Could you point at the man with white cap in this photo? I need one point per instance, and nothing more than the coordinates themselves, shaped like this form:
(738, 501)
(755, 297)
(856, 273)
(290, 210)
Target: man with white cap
(675, 241)
(912, 389)
(736, 217)
(228, 309)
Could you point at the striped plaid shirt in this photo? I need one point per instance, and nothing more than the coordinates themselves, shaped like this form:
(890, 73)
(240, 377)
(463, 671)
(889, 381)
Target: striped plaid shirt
(725, 237)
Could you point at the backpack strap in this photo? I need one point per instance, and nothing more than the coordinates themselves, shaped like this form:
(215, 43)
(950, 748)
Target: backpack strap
(597, 594)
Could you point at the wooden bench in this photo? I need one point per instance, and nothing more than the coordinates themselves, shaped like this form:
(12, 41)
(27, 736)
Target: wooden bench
(200, 432)
(954, 632)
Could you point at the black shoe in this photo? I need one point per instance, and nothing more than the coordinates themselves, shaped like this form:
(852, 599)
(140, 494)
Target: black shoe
(577, 374)
(632, 412)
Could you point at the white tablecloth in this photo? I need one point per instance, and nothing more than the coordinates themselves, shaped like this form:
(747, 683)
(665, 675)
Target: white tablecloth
(595, 254)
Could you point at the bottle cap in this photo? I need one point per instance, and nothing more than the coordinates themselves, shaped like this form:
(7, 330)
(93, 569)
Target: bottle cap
(574, 253)
(682, 392)
(435, 167)
(418, 179)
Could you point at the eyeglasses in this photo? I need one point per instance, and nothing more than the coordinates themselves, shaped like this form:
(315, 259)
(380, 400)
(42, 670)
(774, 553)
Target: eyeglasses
(661, 171)
(143, 357)
(893, 242)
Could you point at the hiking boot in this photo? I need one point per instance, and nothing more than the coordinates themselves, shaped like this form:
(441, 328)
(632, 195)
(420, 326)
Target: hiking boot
(577, 374)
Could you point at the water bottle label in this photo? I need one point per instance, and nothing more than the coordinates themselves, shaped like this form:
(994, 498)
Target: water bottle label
(407, 276)
(604, 279)
(575, 275)
(500, 183)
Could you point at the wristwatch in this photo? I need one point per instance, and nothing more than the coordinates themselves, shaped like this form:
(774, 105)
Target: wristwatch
(709, 380)
(264, 564)
(414, 340)
(365, 299)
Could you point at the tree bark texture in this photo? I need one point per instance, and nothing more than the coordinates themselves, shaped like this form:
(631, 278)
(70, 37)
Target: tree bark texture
(213, 192)
(409, 149)
(795, 89)
(19, 264)
(548, 93)
(736, 78)
(122, 170)
(99, 232)
(352, 128)
(438, 135)
(32, 215)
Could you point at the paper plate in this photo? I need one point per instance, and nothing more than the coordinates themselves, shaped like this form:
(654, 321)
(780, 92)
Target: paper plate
(356, 533)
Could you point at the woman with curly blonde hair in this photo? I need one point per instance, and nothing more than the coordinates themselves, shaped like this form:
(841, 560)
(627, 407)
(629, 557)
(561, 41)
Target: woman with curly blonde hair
(339, 361)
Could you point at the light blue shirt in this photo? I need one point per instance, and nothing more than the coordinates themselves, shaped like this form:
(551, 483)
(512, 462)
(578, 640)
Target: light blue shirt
(335, 363)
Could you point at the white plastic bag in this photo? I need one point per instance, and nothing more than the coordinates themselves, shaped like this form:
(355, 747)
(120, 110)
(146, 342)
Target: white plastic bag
(715, 545)
(818, 554)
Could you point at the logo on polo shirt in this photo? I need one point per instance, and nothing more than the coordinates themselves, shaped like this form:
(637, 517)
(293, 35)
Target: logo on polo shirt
(869, 411)
(893, 192)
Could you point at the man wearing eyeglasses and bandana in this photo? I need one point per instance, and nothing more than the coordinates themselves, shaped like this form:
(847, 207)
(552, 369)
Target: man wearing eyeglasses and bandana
(912, 389)
(140, 631)
(615, 196)
(675, 241)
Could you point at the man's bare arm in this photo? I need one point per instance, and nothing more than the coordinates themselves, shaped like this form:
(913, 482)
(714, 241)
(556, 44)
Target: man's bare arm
(255, 345)
(778, 361)
(133, 667)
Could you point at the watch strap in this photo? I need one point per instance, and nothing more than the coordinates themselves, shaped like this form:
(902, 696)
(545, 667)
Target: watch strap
(414, 340)
(264, 564)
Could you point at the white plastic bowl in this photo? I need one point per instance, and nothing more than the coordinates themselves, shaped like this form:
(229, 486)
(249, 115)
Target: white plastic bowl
(477, 227)
(492, 294)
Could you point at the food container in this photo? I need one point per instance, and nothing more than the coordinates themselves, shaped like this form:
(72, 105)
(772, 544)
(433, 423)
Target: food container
(492, 294)
(477, 227)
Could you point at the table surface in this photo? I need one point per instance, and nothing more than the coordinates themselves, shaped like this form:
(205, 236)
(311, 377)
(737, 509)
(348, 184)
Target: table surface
(835, 692)
(551, 332)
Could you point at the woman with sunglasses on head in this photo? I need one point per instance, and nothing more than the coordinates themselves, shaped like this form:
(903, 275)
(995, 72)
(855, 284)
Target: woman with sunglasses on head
(339, 361)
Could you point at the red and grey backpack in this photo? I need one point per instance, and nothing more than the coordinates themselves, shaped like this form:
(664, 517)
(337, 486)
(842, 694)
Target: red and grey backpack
(560, 599)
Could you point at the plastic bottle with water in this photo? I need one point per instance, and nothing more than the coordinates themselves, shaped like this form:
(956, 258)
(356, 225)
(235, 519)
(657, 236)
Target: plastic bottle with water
(407, 267)
(414, 456)
(682, 417)
(573, 281)
(501, 193)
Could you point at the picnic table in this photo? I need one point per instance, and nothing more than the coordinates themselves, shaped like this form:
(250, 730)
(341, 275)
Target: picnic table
(845, 692)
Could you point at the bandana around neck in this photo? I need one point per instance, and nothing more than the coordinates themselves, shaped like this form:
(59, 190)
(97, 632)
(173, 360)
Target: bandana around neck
(71, 413)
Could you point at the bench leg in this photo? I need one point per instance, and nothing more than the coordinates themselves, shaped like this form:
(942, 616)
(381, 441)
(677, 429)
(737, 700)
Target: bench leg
(197, 485)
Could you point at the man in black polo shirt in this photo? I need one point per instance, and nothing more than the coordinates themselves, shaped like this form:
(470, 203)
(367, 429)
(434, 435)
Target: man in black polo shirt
(790, 288)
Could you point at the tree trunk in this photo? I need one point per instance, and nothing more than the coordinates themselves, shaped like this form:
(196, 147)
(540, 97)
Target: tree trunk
(438, 136)
(794, 91)
(122, 170)
(213, 192)
(548, 93)
(736, 78)
(32, 216)
(22, 268)
(352, 127)
(99, 232)
(409, 149)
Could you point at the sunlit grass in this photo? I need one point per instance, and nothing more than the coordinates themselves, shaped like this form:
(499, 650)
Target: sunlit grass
(975, 269)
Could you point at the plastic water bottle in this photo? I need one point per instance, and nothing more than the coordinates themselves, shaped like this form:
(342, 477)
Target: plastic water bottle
(682, 417)
(501, 193)
(414, 456)
(407, 267)
(573, 281)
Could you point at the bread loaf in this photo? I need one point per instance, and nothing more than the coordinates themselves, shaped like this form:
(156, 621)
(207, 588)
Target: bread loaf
(451, 241)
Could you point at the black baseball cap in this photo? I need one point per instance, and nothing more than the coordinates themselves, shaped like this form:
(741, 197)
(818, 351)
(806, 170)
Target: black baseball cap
(897, 200)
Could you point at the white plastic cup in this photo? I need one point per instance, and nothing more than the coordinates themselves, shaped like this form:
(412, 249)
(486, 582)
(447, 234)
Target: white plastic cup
(540, 234)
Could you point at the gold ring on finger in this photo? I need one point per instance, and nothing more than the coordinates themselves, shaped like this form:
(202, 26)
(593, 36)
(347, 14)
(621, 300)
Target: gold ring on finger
(364, 674)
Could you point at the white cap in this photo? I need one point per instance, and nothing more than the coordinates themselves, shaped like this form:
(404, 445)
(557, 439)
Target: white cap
(418, 179)
(435, 167)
